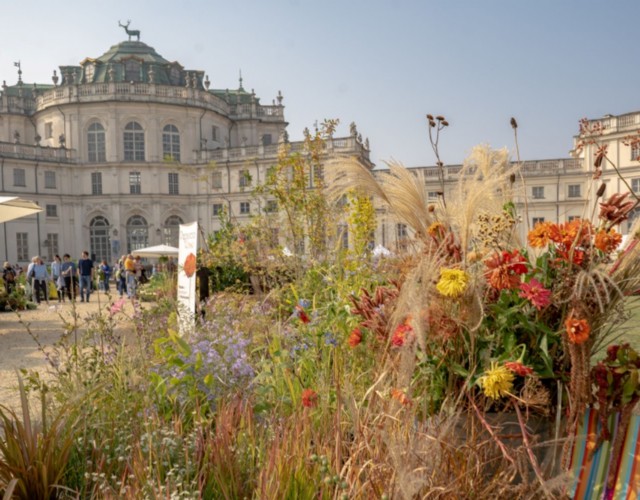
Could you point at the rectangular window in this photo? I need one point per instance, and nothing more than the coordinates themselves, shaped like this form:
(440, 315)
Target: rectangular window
(635, 184)
(52, 210)
(343, 236)
(48, 130)
(96, 183)
(537, 220)
(244, 178)
(245, 207)
(537, 192)
(271, 206)
(134, 183)
(174, 187)
(216, 180)
(52, 245)
(432, 195)
(19, 178)
(217, 209)
(22, 246)
(267, 140)
(214, 133)
(635, 151)
(572, 217)
(401, 231)
(275, 236)
(49, 179)
(574, 191)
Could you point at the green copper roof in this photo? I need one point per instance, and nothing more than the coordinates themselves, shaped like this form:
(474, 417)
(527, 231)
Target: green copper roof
(25, 90)
(139, 50)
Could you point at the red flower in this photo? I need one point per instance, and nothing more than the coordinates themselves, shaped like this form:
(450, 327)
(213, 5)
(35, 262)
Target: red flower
(504, 269)
(577, 329)
(402, 333)
(607, 241)
(355, 338)
(577, 232)
(518, 368)
(302, 315)
(401, 397)
(535, 293)
(309, 398)
(577, 255)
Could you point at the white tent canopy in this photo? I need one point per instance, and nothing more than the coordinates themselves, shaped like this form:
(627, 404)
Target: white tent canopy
(14, 208)
(157, 251)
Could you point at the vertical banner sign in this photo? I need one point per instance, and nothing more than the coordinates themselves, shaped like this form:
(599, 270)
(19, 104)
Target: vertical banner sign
(187, 276)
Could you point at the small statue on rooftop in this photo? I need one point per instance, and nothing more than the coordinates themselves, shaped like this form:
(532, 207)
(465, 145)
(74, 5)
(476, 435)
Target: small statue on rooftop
(129, 32)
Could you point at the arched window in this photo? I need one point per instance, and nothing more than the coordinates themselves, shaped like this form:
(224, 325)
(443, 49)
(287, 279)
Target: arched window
(96, 143)
(171, 143)
(99, 241)
(131, 71)
(137, 233)
(133, 142)
(171, 230)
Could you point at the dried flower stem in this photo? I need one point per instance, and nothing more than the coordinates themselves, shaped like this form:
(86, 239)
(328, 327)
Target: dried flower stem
(532, 457)
(491, 432)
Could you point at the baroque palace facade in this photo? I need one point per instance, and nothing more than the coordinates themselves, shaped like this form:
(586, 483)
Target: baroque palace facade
(121, 149)
(556, 190)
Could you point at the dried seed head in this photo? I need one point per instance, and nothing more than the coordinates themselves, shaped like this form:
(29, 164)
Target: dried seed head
(601, 189)
(431, 207)
(512, 178)
(432, 123)
(430, 118)
(445, 123)
(439, 118)
(514, 123)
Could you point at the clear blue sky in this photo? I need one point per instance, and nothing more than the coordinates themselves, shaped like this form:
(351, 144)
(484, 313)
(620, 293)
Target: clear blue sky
(382, 64)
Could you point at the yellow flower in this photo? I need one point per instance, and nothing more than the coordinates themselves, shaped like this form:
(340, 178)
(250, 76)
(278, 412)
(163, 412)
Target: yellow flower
(497, 381)
(453, 282)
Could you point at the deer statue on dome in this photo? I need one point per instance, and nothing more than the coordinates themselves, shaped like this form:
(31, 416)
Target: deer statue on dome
(129, 32)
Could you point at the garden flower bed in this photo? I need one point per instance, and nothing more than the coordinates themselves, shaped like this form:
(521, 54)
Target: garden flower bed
(424, 375)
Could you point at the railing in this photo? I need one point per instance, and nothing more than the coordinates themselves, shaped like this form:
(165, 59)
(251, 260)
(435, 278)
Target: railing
(344, 145)
(28, 152)
(529, 168)
(618, 123)
(146, 92)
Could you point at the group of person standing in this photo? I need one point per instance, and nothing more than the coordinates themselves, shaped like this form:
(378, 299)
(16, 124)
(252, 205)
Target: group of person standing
(71, 278)
(68, 277)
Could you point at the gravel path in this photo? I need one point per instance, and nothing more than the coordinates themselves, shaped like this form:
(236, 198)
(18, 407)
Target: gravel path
(19, 350)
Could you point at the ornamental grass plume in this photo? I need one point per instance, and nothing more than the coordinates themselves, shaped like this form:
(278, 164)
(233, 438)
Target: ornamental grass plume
(497, 381)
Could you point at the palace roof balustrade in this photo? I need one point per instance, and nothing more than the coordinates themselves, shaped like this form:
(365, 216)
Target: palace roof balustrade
(39, 100)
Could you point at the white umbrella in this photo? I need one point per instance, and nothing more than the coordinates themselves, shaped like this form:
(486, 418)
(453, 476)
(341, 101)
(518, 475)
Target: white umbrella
(14, 208)
(157, 251)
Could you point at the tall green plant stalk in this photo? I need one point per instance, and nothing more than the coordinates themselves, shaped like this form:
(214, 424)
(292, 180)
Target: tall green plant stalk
(33, 458)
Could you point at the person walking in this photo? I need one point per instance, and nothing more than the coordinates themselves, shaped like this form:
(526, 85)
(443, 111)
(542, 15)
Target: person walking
(30, 276)
(57, 279)
(9, 278)
(130, 272)
(105, 276)
(40, 280)
(85, 272)
(68, 272)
